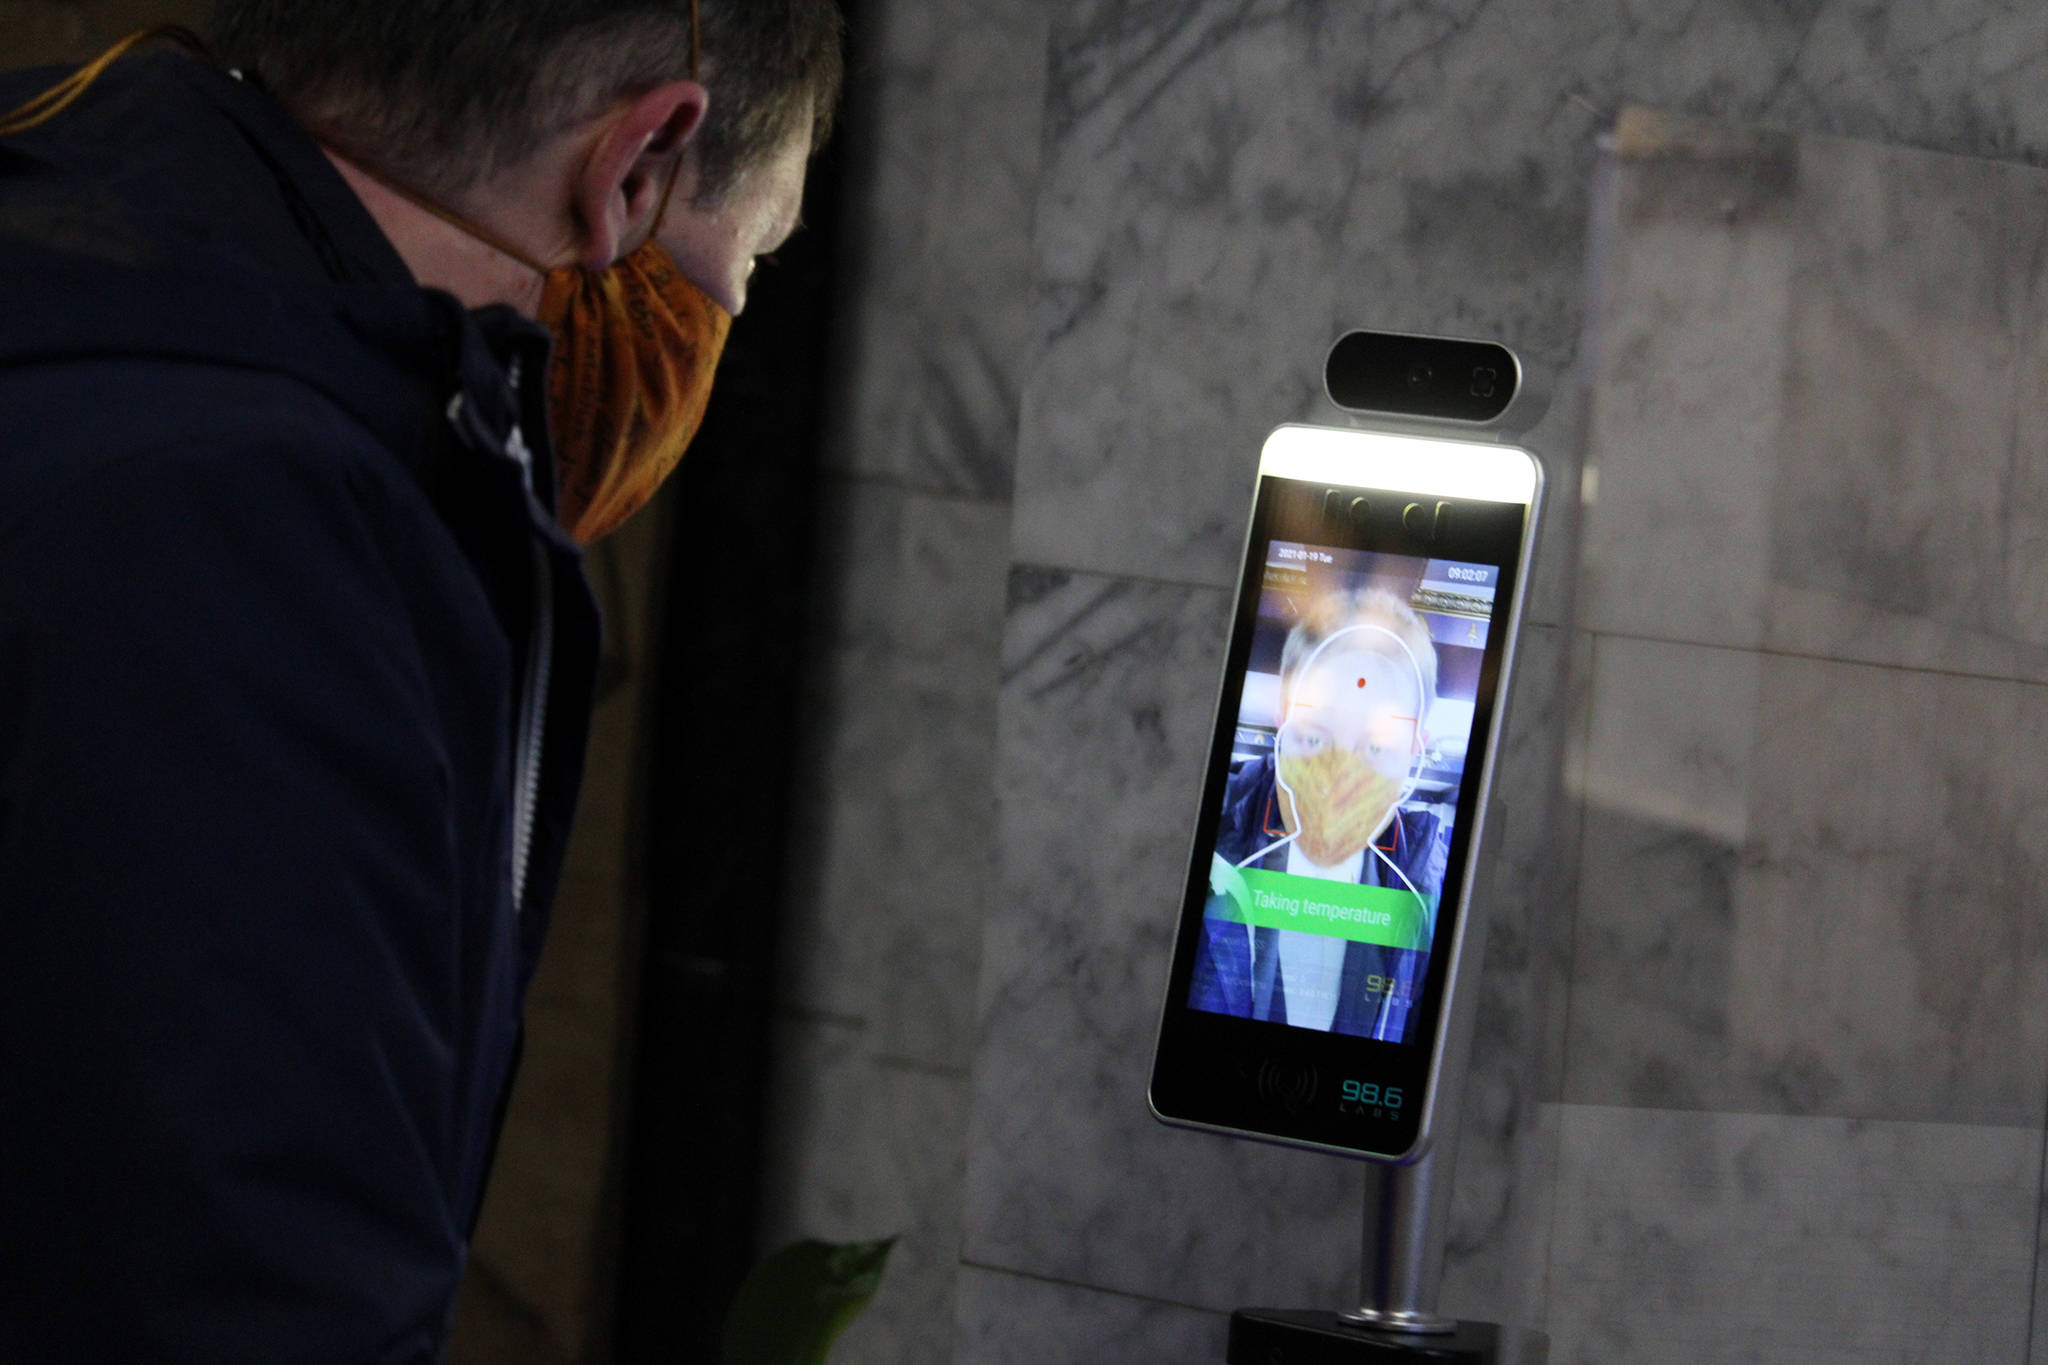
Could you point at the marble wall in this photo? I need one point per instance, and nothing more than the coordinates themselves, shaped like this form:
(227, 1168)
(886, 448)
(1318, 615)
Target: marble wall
(895, 831)
(1805, 1073)
(1668, 1120)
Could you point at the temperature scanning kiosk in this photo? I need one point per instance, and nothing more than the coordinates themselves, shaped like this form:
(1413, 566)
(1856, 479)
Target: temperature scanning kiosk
(1326, 961)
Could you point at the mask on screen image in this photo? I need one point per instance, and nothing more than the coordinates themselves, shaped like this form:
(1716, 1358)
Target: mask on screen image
(1350, 742)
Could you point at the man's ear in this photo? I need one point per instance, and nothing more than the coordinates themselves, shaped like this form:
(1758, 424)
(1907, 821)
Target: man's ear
(626, 174)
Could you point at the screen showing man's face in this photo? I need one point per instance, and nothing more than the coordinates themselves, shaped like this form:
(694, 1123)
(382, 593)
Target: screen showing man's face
(1329, 862)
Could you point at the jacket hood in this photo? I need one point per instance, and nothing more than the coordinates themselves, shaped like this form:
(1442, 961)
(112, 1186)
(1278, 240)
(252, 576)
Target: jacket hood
(177, 212)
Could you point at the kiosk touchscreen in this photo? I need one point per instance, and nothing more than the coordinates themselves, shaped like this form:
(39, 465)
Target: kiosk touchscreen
(1320, 930)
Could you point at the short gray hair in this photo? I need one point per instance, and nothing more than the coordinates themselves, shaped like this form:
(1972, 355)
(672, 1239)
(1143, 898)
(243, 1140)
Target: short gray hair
(439, 94)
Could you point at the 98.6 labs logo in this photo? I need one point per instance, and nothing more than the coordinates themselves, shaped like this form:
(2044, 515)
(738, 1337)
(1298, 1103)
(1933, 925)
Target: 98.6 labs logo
(1368, 1100)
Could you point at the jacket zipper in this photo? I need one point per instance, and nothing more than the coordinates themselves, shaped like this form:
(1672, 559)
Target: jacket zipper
(540, 654)
(533, 702)
(533, 720)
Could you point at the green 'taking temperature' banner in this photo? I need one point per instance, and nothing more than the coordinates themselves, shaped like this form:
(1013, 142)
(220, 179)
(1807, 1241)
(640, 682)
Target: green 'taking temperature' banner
(1391, 916)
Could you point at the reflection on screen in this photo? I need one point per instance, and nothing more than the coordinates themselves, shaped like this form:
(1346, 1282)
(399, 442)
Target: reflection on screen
(1351, 739)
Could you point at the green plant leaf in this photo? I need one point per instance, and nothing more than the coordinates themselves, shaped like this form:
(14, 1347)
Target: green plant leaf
(797, 1301)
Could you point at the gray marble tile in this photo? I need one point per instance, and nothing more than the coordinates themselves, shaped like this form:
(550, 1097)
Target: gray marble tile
(1731, 1238)
(1529, 834)
(2024, 589)
(1671, 733)
(1109, 693)
(938, 327)
(1499, 1199)
(1809, 887)
(1558, 441)
(1228, 186)
(895, 803)
(816, 1155)
(2037, 1346)
(862, 1148)
(1537, 1299)
(1816, 391)
(1688, 378)
(1899, 400)
(1007, 1319)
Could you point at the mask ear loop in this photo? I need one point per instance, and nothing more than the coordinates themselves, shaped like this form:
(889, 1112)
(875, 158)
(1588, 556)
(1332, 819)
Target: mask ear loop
(486, 235)
(675, 170)
(40, 109)
(447, 215)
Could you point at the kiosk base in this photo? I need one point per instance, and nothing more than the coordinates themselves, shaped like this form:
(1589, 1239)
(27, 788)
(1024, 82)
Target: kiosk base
(1285, 1336)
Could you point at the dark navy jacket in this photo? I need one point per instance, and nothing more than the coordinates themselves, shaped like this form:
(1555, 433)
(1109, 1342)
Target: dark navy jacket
(280, 595)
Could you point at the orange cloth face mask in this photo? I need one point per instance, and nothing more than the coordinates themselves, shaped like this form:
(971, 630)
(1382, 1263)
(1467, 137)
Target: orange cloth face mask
(635, 350)
(636, 345)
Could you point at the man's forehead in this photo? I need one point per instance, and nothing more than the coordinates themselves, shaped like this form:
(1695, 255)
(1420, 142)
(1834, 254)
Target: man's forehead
(1368, 649)
(1364, 674)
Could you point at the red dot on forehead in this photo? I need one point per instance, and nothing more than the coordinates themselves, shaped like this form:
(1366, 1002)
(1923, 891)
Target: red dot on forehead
(1361, 682)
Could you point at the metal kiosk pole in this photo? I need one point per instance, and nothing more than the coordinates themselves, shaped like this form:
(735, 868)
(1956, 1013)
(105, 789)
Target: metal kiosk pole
(1396, 1322)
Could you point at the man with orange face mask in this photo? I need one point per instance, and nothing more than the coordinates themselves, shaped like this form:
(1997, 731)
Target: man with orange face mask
(321, 354)
(1333, 802)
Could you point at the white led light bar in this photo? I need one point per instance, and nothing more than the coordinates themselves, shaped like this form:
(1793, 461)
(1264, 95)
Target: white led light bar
(1406, 464)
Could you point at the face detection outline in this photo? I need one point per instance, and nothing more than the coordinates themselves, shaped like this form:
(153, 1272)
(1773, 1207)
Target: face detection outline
(1353, 716)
